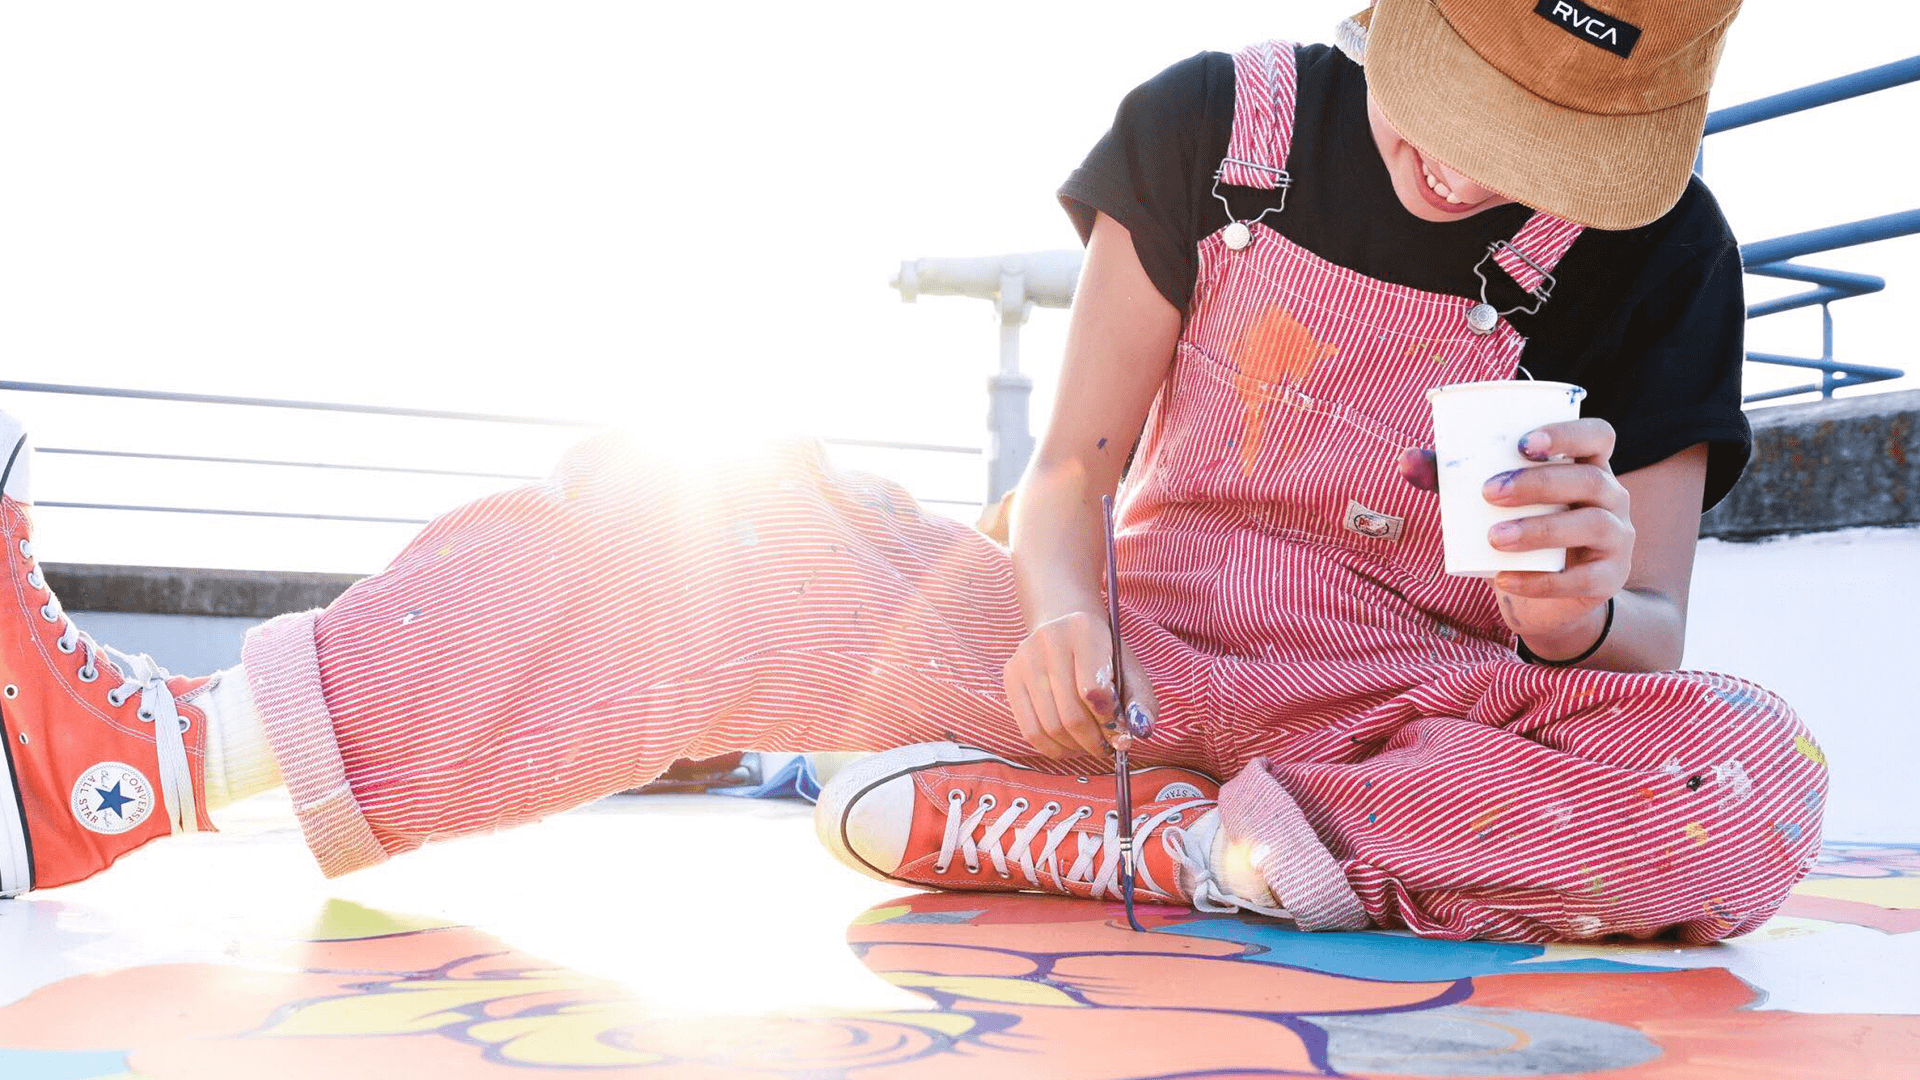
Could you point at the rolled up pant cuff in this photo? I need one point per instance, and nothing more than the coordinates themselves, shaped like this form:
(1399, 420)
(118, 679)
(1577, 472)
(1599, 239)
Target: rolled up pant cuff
(283, 671)
(1303, 874)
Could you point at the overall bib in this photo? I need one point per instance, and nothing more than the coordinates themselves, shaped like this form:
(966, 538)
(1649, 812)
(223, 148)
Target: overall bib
(1394, 763)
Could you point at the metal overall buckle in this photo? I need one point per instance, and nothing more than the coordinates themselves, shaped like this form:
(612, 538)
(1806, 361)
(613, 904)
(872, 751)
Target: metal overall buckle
(1238, 234)
(1481, 317)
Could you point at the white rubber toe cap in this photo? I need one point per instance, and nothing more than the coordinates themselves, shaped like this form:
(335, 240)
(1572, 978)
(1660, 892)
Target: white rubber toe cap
(878, 823)
(865, 813)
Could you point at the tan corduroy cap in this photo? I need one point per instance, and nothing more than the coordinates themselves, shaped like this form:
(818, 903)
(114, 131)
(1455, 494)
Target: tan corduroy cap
(1589, 112)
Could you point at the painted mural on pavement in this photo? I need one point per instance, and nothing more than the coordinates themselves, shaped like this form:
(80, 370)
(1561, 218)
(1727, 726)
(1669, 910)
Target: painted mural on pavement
(1018, 985)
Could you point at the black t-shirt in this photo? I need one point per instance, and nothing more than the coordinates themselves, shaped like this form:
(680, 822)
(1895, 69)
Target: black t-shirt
(1649, 320)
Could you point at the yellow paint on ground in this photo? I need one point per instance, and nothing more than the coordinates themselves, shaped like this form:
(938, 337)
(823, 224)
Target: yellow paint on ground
(411, 1007)
(953, 1024)
(570, 1037)
(983, 988)
(341, 920)
(1886, 892)
(882, 914)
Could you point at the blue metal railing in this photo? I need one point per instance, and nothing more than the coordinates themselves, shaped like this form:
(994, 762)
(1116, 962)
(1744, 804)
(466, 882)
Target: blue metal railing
(1773, 258)
(1787, 102)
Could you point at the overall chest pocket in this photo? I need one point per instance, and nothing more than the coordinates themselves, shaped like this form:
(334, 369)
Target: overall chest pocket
(1297, 458)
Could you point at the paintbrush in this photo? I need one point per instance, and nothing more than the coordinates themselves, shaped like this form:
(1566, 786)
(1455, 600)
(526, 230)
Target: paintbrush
(1124, 726)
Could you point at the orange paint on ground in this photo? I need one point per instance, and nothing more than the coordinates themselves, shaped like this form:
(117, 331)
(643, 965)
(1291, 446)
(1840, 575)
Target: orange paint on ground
(1013, 985)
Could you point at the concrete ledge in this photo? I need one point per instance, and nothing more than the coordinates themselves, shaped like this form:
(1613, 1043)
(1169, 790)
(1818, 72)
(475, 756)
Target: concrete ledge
(1819, 466)
(1846, 463)
(164, 590)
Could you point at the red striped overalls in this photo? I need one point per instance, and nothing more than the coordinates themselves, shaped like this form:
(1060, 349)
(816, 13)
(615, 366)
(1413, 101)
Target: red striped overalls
(1394, 762)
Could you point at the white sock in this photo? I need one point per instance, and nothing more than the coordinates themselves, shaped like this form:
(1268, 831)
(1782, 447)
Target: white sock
(1228, 863)
(239, 761)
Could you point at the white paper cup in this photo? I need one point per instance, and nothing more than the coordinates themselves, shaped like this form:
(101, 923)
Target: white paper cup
(1476, 434)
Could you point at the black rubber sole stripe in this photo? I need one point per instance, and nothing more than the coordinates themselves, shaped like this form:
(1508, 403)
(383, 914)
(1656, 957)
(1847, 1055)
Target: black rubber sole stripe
(14, 809)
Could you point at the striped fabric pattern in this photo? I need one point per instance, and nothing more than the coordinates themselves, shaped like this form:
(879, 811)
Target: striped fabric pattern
(1394, 763)
(1542, 241)
(283, 674)
(1263, 92)
(1460, 792)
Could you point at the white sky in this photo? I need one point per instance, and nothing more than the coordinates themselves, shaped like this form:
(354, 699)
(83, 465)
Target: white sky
(684, 218)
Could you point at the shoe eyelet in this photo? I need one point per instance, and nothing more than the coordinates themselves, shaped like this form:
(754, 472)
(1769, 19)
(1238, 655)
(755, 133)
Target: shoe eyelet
(1052, 808)
(145, 714)
(89, 673)
(1113, 815)
(114, 699)
(1006, 875)
(47, 613)
(33, 579)
(1085, 811)
(64, 646)
(11, 691)
(1177, 815)
(956, 796)
(23, 739)
(974, 869)
(1082, 779)
(1020, 803)
(26, 550)
(986, 801)
(186, 725)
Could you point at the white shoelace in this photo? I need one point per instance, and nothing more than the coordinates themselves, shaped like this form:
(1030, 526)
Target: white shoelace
(1096, 860)
(137, 674)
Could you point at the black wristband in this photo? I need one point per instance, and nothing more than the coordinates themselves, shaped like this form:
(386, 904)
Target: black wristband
(1527, 654)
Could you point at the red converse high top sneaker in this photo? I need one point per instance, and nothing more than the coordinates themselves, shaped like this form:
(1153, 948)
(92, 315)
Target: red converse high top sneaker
(945, 816)
(101, 752)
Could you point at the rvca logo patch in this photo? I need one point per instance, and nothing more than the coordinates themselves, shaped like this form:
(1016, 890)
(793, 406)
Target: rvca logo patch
(1617, 36)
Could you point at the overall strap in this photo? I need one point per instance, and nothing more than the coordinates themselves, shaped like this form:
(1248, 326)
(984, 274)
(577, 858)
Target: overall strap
(1264, 81)
(1529, 258)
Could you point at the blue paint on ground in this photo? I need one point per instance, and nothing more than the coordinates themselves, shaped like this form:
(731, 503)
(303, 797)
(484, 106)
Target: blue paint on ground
(1389, 957)
(956, 918)
(61, 1064)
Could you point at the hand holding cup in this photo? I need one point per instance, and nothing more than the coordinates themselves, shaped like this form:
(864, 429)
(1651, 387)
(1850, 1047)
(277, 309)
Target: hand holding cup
(1596, 528)
(1553, 527)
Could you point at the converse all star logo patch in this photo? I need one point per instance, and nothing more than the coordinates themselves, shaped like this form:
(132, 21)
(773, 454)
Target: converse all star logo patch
(111, 798)
(1178, 791)
(1371, 523)
(1591, 25)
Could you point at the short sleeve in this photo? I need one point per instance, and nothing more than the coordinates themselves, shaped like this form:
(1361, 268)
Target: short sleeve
(1679, 383)
(1143, 171)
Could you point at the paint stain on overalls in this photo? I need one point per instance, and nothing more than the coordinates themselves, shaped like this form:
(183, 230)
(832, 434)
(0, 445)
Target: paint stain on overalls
(1273, 349)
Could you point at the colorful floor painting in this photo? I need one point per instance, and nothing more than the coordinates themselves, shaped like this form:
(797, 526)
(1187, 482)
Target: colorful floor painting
(647, 939)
